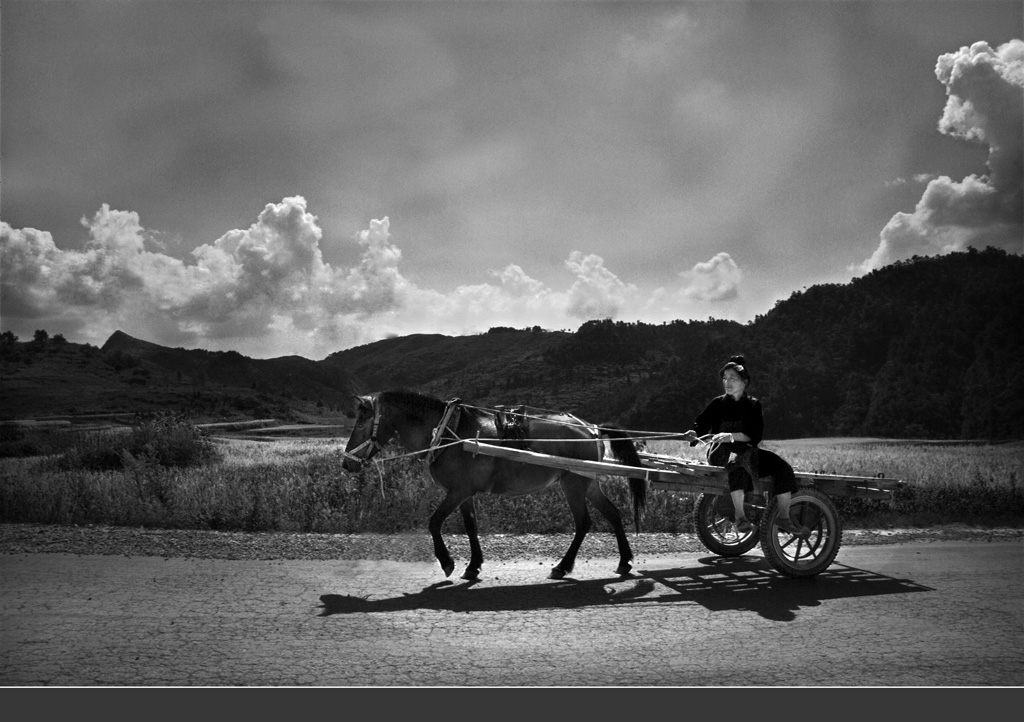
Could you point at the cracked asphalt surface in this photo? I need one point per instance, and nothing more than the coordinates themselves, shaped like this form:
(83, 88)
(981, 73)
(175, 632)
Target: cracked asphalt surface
(917, 613)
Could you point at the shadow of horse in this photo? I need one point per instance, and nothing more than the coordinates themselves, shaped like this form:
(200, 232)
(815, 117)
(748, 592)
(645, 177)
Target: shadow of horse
(719, 584)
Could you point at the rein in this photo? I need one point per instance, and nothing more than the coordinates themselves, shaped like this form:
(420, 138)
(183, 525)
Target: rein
(708, 446)
(450, 420)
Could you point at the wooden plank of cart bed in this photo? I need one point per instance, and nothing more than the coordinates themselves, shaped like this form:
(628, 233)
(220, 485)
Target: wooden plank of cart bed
(674, 462)
(836, 487)
(861, 487)
(681, 480)
(816, 477)
(865, 487)
(833, 485)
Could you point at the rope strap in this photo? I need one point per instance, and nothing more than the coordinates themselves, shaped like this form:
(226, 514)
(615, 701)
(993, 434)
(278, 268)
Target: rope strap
(449, 422)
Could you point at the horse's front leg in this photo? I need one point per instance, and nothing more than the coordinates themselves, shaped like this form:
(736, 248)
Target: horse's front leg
(451, 500)
(476, 557)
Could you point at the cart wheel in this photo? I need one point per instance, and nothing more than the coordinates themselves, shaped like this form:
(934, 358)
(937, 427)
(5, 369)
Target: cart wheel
(712, 517)
(796, 557)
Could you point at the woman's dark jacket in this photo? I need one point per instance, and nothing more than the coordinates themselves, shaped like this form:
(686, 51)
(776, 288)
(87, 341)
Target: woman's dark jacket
(726, 414)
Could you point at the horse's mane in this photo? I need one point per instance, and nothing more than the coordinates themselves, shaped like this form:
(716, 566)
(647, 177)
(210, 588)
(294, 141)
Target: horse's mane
(417, 402)
(412, 399)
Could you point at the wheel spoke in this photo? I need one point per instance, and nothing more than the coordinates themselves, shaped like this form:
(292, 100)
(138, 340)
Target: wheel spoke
(809, 555)
(716, 529)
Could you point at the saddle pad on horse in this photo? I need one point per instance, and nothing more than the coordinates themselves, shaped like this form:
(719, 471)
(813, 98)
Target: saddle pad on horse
(510, 422)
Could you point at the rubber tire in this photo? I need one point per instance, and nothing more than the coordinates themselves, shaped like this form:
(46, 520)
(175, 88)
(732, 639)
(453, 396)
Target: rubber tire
(715, 529)
(803, 558)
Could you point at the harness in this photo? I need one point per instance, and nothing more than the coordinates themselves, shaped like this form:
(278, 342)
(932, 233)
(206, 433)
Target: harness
(449, 423)
(372, 441)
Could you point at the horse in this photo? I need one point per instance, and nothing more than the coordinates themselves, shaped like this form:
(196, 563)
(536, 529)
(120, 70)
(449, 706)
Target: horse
(425, 426)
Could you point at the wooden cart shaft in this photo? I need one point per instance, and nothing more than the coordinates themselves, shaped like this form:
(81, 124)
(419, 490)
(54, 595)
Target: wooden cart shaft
(670, 473)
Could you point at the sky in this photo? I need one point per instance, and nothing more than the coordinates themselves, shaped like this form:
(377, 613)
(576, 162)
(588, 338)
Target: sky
(297, 178)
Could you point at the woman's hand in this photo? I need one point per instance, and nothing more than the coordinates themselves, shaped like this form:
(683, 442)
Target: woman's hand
(691, 436)
(722, 438)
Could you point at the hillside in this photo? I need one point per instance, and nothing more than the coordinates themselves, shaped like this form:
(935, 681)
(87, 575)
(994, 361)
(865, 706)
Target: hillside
(927, 348)
(52, 377)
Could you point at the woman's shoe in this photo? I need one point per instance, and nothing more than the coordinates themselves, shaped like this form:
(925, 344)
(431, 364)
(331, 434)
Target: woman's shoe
(789, 527)
(743, 526)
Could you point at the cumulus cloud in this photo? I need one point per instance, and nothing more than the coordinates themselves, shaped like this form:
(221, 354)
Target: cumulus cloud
(515, 280)
(268, 279)
(714, 280)
(473, 308)
(985, 104)
(76, 288)
(266, 290)
(32, 259)
(597, 293)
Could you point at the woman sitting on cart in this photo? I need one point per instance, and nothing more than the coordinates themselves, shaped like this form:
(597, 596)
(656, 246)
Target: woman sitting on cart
(736, 421)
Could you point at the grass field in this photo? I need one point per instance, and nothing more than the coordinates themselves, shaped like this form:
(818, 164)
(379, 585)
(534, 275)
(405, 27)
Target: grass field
(170, 476)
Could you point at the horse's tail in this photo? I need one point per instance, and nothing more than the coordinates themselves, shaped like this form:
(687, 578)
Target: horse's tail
(625, 451)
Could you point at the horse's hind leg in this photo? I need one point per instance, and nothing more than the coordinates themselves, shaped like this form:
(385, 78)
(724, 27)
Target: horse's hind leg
(575, 488)
(451, 500)
(611, 512)
(476, 555)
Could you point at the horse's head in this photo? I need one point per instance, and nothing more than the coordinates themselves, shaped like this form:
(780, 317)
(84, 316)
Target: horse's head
(364, 441)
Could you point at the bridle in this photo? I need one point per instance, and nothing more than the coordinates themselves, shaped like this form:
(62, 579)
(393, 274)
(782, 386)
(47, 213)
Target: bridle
(373, 442)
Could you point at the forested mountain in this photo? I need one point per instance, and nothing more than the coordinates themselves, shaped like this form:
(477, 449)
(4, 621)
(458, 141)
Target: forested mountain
(927, 348)
(930, 347)
(47, 377)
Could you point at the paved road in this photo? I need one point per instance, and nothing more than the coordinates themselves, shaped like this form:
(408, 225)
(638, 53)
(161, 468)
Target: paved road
(941, 613)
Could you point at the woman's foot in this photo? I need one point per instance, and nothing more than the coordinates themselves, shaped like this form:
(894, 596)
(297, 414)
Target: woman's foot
(786, 524)
(743, 526)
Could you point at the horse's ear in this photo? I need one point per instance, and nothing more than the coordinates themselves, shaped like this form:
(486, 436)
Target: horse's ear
(362, 400)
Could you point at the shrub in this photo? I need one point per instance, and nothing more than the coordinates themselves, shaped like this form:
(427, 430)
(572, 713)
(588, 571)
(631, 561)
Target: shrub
(169, 439)
(165, 439)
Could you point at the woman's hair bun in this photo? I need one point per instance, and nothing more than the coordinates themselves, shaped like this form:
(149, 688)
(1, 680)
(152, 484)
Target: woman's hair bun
(737, 362)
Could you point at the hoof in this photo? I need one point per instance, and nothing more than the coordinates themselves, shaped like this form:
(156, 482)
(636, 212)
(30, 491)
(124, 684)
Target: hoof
(471, 574)
(557, 573)
(624, 569)
(448, 569)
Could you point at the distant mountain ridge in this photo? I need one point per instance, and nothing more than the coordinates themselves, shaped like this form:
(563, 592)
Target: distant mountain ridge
(906, 351)
(120, 341)
(128, 375)
(927, 348)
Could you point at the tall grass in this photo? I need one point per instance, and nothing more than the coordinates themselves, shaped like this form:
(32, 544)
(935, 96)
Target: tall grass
(299, 486)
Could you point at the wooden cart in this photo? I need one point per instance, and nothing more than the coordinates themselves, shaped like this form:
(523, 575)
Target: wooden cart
(811, 505)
